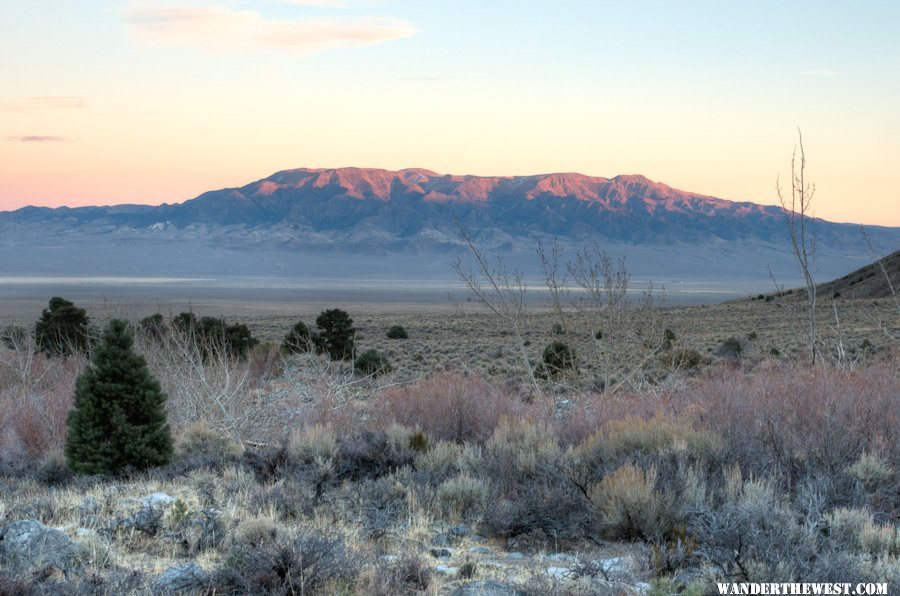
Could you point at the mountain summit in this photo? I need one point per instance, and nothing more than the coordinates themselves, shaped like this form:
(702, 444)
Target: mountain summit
(555, 203)
(359, 216)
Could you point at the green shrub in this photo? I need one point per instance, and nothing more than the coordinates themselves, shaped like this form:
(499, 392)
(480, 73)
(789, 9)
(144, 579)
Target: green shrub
(558, 358)
(462, 497)
(668, 339)
(202, 440)
(636, 437)
(731, 348)
(62, 328)
(530, 491)
(559, 329)
(372, 364)
(397, 332)
(682, 359)
(871, 470)
(629, 506)
(213, 334)
(336, 334)
(154, 326)
(119, 417)
(298, 339)
(185, 323)
(441, 461)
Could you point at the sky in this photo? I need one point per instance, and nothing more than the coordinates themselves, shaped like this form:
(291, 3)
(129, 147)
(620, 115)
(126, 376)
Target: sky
(138, 101)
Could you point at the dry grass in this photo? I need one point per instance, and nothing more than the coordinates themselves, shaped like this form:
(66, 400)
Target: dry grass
(710, 467)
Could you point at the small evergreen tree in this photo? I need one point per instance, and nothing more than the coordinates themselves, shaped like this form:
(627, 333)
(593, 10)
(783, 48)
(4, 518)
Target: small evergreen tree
(185, 323)
(62, 328)
(212, 334)
(154, 326)
(397, 332)
(298, 339)
(372, 363)
(336, 336)
(119, 416)
(558, 358)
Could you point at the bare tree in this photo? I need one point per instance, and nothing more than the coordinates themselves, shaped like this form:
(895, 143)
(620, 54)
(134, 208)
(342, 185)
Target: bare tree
(626, 336)
(20, 357)
(500, 291)
(555, 280)
(204, 381)
(798, 215)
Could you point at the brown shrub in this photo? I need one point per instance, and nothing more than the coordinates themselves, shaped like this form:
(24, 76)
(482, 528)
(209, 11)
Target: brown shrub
(593, 413)
(34, 404)
(450, 407)
(789, 421)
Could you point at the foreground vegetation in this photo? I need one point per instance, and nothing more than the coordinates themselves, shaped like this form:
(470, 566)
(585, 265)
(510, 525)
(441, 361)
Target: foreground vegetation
(295, 473)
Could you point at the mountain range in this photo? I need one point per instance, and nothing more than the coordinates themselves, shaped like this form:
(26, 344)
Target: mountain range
(361, 221)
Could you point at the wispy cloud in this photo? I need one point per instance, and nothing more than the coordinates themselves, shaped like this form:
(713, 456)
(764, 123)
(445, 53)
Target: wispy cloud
(819, 73)
(220, 29)
(38, 139)
(34, 104)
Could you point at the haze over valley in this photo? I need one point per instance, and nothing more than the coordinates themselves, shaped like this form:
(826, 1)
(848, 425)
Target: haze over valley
(370, 232)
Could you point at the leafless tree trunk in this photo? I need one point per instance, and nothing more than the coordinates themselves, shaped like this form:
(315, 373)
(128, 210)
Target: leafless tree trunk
(798, 216)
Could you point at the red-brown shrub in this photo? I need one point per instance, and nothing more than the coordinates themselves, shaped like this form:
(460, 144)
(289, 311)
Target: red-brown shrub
(34, 404)
(450, 406)
(788, 419)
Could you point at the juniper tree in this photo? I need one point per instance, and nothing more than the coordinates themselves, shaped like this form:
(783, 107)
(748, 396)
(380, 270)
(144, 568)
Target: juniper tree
(119, 417)
(62, 328)
(298, 339)
(336, 336)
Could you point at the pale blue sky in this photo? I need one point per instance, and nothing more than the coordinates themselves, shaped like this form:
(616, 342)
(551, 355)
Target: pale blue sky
(112, 101)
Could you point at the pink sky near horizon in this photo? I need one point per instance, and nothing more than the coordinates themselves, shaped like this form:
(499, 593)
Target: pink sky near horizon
(132, 101)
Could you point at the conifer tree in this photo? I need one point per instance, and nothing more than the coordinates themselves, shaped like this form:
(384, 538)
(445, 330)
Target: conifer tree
(336, 335)
(119, 417)
(62, 328)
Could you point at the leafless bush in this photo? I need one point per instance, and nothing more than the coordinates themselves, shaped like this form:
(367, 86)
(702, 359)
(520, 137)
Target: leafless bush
(449, 406)
(754, 535)
(204, 381)
(35, 398)
(314, 562)
(503, 293)
(788, 421)
(798, 216)
(627, 336)
(409, 574)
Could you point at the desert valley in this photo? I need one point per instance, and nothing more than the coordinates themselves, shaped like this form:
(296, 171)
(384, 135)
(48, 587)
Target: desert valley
(403, 298)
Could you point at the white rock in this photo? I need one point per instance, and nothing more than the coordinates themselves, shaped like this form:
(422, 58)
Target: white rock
(558, 572)
(446, 570)
(158, 499)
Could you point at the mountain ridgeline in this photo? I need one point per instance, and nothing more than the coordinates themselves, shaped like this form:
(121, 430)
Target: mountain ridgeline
(414, 213)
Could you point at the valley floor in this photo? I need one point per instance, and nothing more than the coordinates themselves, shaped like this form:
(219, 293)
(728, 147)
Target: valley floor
(646, 470)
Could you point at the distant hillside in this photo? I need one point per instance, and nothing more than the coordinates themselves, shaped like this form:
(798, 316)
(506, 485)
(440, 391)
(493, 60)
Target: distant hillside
(348, 222)
(867, 282)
